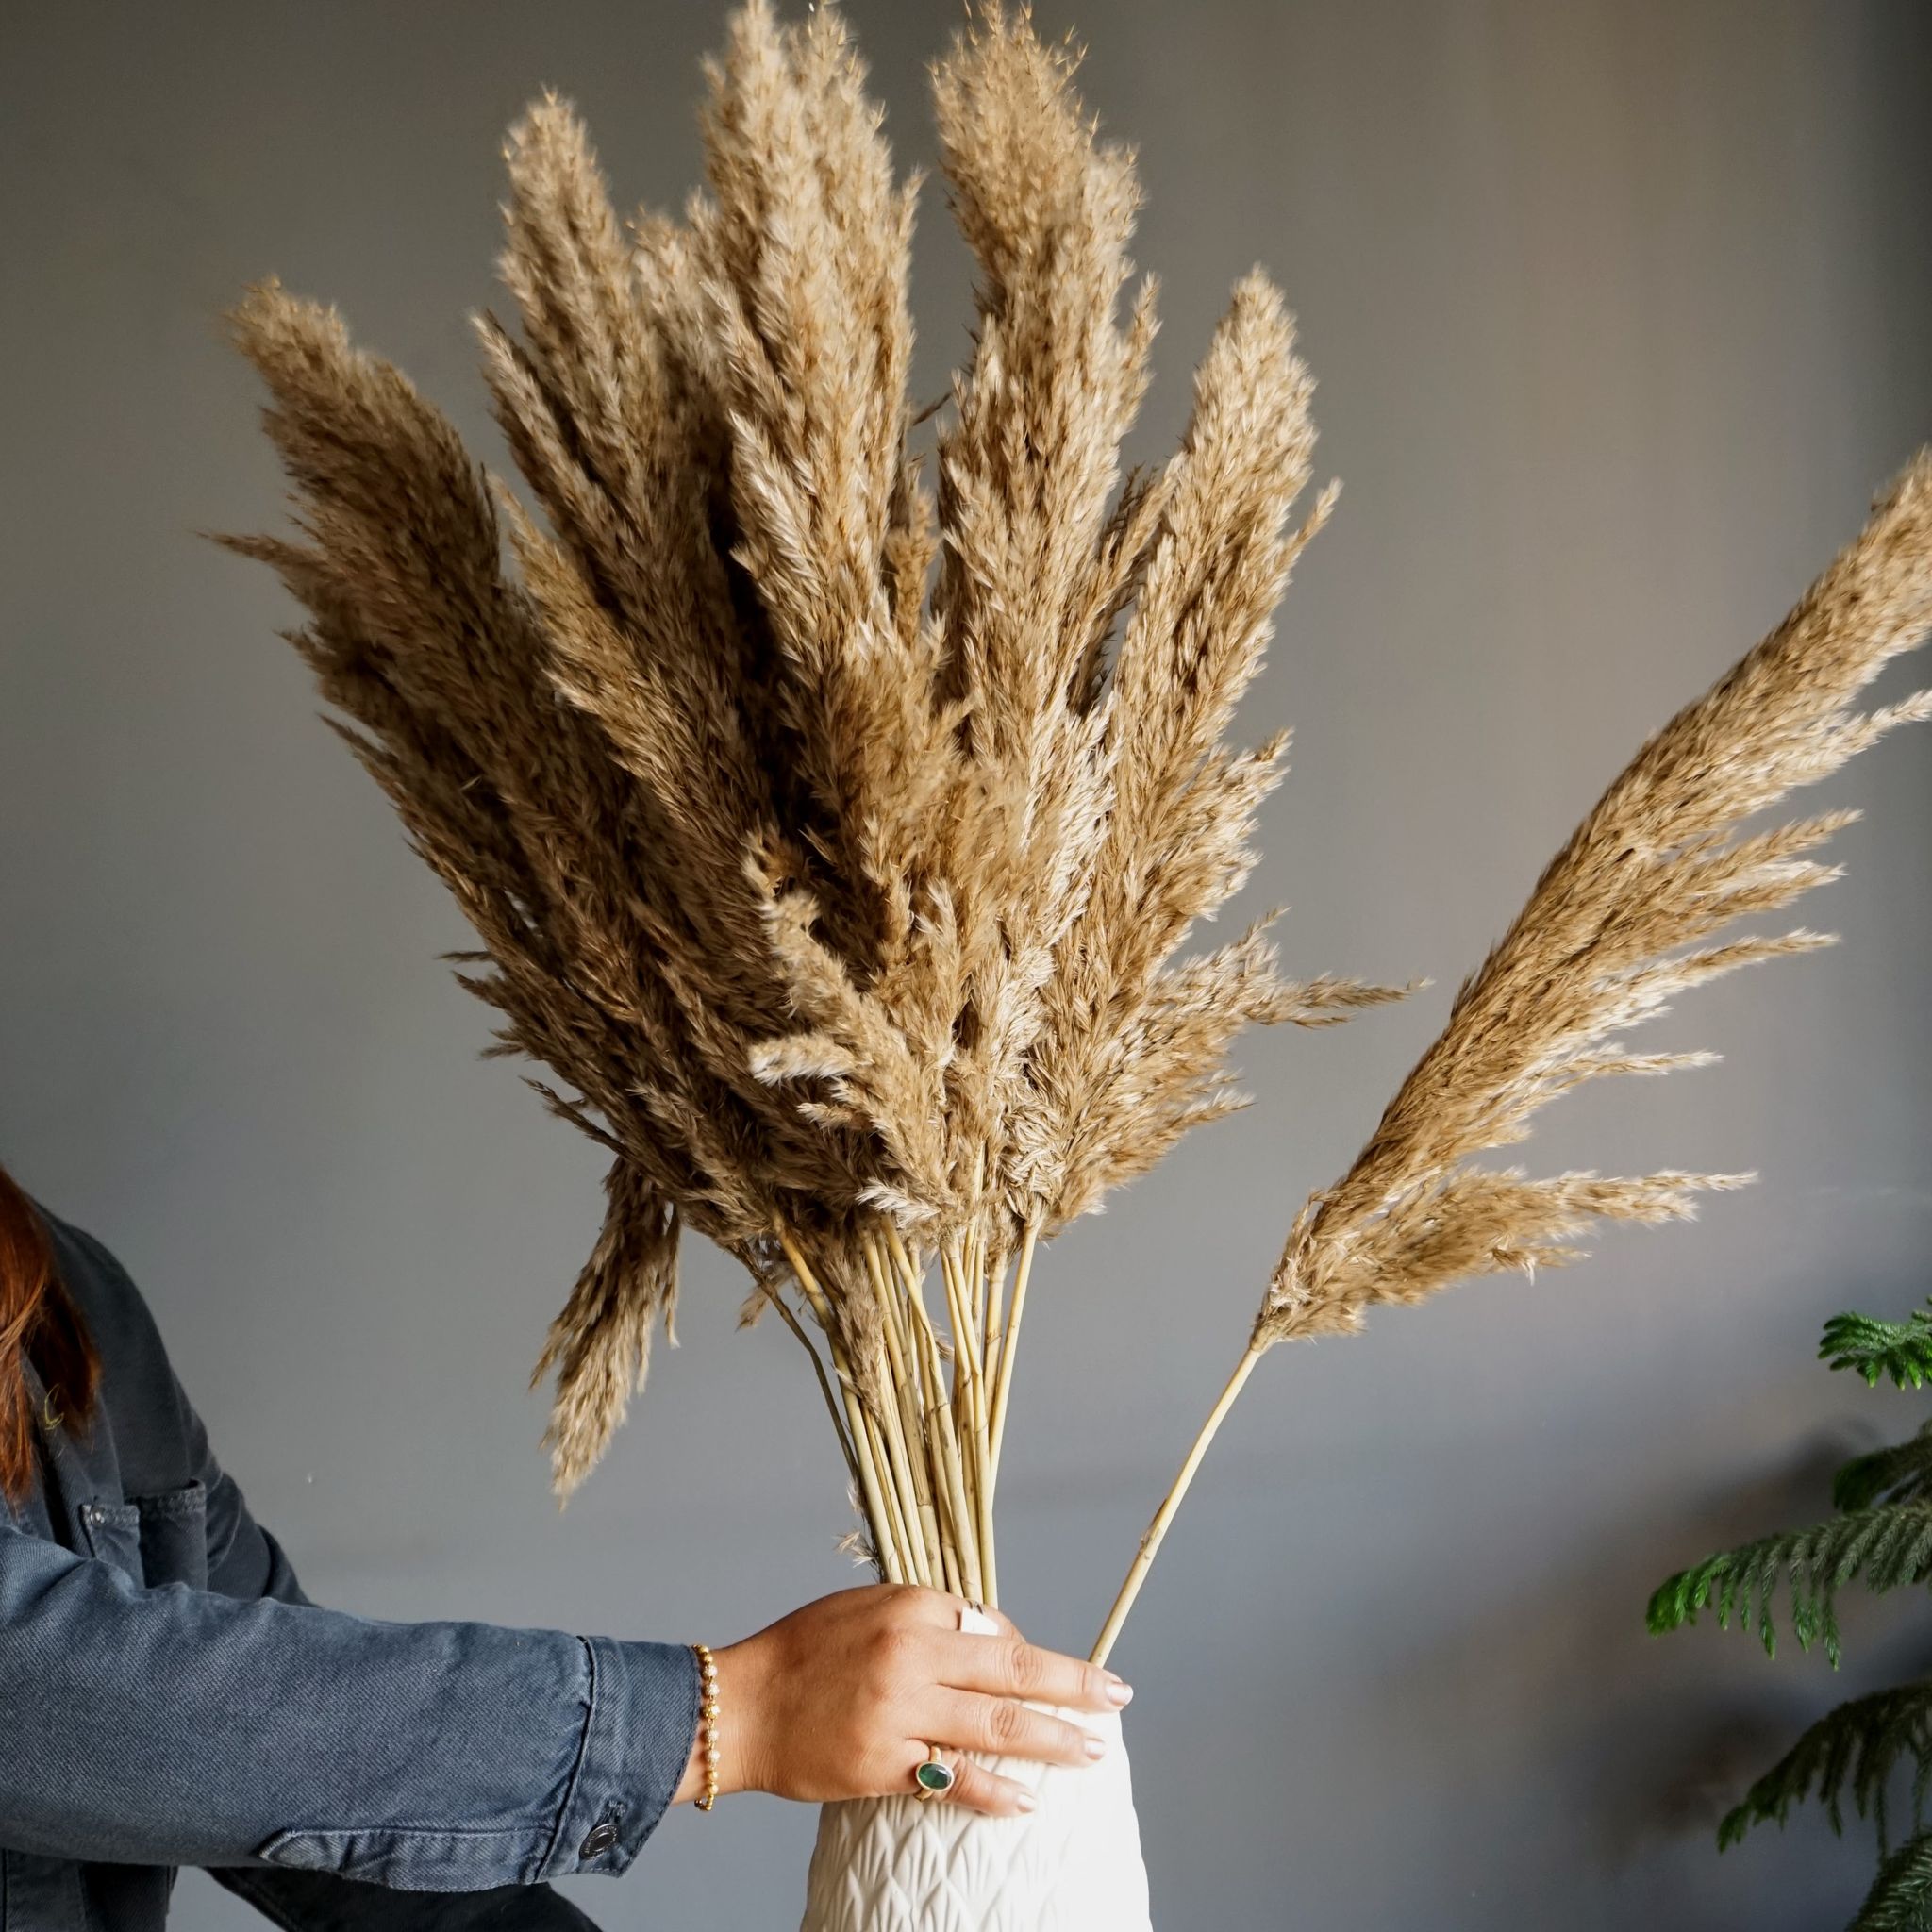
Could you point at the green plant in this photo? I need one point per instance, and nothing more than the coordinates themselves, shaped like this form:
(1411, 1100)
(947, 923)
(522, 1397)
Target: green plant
(1881, 1537)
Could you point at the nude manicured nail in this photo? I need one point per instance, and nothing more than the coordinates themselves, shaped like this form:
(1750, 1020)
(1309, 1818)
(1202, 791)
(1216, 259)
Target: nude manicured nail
(1119, 1695)
(1096, 1747)
(1026, 1802)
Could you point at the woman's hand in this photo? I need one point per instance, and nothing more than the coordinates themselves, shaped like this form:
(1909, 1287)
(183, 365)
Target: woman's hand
(840, 1699)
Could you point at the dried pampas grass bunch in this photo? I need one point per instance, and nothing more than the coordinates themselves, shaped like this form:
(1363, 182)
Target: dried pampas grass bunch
(830, 833)
(831, 810)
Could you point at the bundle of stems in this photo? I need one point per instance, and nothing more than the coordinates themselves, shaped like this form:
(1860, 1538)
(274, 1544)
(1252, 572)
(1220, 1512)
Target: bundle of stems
(830, 832)
(924, 1456)
(1655, 865)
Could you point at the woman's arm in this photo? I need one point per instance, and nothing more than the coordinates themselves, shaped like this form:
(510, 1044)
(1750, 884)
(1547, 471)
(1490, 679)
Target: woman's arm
(243, 1728)
(186, 1727)
(179, 1727)
(245, 1560)
(239, 1723)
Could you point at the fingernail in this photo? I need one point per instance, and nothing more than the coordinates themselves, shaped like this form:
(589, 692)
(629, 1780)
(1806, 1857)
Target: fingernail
(1096, 1747)
(1120, 1695)
(1026, 1801)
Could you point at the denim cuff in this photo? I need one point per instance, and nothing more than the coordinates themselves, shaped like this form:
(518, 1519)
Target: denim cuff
(644, 1699)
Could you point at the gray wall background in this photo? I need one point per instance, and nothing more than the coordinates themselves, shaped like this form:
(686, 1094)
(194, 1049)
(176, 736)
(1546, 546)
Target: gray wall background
(1619, 311)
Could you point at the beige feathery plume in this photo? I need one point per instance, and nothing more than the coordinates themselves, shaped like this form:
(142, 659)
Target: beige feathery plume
(1655, 865)
(1132, 1048)
(439, 665)
(1026, 470)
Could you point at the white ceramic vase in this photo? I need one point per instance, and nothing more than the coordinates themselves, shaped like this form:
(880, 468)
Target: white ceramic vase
(1072, 1865)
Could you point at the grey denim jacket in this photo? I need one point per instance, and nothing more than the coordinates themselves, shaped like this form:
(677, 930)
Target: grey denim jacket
(169, 1697)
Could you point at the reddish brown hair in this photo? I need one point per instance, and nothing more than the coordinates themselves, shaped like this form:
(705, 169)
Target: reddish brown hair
(36, 1316)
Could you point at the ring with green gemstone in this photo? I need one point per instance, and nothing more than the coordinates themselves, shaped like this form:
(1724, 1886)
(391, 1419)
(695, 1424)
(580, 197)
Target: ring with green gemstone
(935, 1778)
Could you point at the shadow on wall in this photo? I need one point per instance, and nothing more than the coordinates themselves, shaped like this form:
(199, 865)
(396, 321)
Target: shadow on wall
(1672, 1729)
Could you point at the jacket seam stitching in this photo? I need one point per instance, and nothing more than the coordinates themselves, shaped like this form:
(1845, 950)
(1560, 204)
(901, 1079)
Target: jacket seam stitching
(570, 1790)
(172, 1505)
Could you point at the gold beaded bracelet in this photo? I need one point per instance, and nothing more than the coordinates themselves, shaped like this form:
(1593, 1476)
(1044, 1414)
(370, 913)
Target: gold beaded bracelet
(708, 1666)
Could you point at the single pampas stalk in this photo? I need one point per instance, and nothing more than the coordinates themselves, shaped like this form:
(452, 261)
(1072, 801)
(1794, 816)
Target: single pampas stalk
(1654, 866)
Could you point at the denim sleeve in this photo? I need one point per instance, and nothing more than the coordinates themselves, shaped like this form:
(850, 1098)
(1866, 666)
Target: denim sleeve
(243, 1559)
(184, 1727)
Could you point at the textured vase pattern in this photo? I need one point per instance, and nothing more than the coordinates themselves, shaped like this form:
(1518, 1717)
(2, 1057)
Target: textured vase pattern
(1073, 1865)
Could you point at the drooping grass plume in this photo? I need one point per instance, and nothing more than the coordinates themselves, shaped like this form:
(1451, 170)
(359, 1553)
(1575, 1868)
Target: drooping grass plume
(1658, 864)
(831, 811)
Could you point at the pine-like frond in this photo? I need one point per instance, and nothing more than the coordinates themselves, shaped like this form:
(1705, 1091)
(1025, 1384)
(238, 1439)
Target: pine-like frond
(1900, 1473)
(1901, 1896)
(1850, 1752)
(1885, 1548)
(1874, 1348)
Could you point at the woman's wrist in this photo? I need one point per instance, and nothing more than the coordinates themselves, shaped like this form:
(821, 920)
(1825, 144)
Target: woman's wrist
(736, 1693)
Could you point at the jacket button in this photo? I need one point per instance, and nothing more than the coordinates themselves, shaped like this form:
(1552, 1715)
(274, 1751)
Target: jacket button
(598, 1840)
